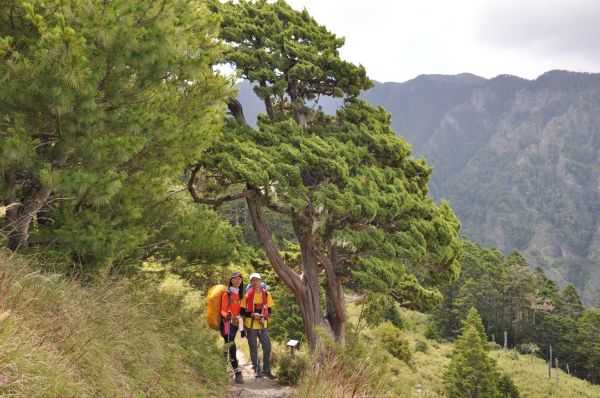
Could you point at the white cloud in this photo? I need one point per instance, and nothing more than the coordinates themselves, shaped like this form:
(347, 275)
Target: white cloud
(398, 40)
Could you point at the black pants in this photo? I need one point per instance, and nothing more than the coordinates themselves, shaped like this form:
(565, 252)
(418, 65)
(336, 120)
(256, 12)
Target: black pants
(230, 348)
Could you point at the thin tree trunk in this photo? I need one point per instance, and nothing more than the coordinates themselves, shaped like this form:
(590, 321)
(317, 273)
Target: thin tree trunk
(336, 313)
(336, 308)
(310, 304)
(297, 105)
(20, 217)
(236, 109)
(268, 102)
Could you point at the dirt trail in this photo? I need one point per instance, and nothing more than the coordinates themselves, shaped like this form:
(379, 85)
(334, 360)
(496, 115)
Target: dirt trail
(255, 388)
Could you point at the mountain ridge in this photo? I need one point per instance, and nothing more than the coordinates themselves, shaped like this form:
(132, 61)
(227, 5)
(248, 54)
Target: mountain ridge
(518, 159)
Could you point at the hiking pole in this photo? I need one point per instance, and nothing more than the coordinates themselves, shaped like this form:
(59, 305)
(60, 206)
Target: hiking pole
(227, 330)
(258, 336)
(261, 322)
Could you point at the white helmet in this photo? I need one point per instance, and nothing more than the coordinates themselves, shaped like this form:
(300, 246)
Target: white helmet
(255, 275)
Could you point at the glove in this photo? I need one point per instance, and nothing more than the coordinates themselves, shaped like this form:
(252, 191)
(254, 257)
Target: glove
(228, 316)
(243, 334)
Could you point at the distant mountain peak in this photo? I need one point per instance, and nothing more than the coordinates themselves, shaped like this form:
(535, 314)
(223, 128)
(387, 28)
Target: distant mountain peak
(460, 78)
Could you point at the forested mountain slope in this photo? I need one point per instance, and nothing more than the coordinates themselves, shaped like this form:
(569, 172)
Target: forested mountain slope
(518, 159)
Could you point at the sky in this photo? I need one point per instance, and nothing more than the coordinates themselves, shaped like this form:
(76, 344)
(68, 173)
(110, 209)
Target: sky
(397, 40)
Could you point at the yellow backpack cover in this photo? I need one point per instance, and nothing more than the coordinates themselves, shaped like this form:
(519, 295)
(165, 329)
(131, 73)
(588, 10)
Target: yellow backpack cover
(213, 305)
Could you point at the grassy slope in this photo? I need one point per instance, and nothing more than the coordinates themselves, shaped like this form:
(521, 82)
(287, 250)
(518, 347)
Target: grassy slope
(128, 339)
(529, 374)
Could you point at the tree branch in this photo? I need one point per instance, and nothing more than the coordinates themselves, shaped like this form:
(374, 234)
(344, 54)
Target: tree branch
(336, 307)
(235, 107)
(210, 201)
(287, 275)
(275, 207)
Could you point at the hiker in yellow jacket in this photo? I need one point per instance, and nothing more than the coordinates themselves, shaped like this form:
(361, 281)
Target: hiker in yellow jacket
(256, 308)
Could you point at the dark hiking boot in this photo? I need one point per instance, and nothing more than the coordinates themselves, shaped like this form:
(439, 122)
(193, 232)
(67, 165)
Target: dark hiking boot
(239, 378)
(267, 373)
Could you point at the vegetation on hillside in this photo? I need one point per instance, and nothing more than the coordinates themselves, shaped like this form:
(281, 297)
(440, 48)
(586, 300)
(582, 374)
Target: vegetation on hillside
(110, 111)
(527, 305)
(141, 337)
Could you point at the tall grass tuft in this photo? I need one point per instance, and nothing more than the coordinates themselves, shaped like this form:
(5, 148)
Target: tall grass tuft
(334, 371)
(122, 338)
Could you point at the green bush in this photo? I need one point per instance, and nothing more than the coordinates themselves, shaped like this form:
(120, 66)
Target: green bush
(432, 333)
(507, 387)
(421, 346)
(528, 348)
(393, 341)
(393, 315)
(291, 368)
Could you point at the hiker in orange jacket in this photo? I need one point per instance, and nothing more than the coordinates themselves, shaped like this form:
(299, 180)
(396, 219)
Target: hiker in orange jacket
(230, 310)
(256, 308)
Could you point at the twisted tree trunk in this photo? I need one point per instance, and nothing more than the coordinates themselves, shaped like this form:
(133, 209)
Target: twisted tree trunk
(306, 286)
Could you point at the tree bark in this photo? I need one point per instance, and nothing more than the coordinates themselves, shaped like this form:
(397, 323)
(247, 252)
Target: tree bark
(336, 308)
(20, 216)
(305, 287)
(287, 275)
(297, 105)
(236, 109)
(310, 301)
(268, 102)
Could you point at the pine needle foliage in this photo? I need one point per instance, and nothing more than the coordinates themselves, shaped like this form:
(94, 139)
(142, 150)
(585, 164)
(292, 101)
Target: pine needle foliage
(472, 372)
(102, 103)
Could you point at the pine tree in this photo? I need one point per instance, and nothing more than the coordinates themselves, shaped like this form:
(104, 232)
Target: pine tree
(355, 197)
(102, 103)
(570, 303)
(472, 373)
(588, 344)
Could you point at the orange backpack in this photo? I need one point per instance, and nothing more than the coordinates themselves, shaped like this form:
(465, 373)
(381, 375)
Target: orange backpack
(213, 306)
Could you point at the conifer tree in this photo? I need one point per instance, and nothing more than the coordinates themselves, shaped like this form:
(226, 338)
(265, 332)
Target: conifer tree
(588, 344)
(102, 103)
(472, 373)
(355, 197)
(570, 303)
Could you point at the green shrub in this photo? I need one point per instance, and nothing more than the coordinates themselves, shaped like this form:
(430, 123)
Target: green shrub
(528, 348)
(421, 346)
(507, 387)
(291, 368)
(432, 333)
(393, 315)
(393, 341)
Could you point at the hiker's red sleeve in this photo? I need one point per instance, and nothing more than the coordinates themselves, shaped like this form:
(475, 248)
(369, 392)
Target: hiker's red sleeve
(224, 304)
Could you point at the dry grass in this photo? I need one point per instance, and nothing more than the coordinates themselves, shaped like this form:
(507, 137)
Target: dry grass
(335, 372)
(121, 338)
(531, 377)
(426, 369)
